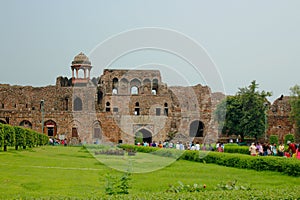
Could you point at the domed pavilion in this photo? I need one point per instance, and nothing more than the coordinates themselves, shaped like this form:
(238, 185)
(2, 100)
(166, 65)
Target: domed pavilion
(81, 63)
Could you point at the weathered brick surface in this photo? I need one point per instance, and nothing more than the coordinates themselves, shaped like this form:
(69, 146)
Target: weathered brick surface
(278, 118)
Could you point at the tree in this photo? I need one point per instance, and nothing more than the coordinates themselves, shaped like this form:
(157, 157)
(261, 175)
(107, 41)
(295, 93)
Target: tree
(228, 115)
(245, 113)
(254, 106)
(295, 110)
(139, 138)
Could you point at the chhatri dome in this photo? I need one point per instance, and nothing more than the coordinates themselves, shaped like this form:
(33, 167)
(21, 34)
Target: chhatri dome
(81, 62)
(81, 58)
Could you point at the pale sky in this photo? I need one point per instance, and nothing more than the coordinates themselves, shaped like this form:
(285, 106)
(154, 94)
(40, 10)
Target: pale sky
(247, 40)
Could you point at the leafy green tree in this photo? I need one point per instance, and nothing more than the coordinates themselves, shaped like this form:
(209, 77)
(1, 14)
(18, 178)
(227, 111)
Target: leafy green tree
(274, 139)
(245, 113)
(139, 138)
(295, 109)
(289, 137)
(254, 105)
(228, 114)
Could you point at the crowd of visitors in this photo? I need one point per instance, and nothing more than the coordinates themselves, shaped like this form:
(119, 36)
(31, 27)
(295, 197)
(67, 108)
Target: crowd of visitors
(255, 149)
(267, 149)
(183, 146)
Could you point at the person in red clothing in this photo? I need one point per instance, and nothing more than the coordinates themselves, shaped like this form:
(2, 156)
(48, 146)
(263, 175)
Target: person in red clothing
(298, 152)
(292, 148)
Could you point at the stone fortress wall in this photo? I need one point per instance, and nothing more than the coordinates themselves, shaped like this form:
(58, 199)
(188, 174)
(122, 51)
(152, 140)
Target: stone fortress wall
(121, 104)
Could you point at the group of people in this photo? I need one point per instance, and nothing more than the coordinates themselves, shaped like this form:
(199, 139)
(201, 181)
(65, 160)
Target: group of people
(267, 149)
(182, 146)
(54, 141)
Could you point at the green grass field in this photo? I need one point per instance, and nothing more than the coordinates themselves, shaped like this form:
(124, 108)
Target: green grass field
(54, 172)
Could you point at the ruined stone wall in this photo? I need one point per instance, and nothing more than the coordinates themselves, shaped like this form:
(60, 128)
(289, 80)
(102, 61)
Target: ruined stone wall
(192, 104)
(163, 111)
(125, 113)
(24, 103)
(278, 118)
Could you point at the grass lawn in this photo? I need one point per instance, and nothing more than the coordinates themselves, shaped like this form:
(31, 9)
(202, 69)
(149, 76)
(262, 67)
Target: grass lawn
(72, 172)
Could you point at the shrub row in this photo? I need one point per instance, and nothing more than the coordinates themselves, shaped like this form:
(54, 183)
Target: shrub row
(143, 149)
(284, 165)
(287, 166)
(16, 136)
(236, 149)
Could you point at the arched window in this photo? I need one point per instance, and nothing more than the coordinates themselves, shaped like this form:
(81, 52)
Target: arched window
(97, 131)
(115, 86)
(154, 86)
(115, 91)
(77, 104)
(134, 90)
(137, 108)
(134, 86)
(107, 107)
(99, 97)
(66, 104)
(166, 109)
(147, 86)
(26, 124)
(196, 129)
(124, 86)
(147, 82)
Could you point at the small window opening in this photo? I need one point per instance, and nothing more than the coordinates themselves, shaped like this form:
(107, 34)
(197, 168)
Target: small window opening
(157, 111)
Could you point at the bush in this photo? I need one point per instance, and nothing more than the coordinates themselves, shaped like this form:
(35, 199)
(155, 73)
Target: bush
(143, 149)
(274, 139)
(1, 135)
(30, 141)
(20, 137)
(8, 136)
(260, 163)
(115, 185)
(289, 137)
(236, 149)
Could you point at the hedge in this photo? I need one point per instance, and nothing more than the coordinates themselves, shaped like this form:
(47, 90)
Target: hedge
(143, 149)
(236, 149)
(289, 166)
(15, 136)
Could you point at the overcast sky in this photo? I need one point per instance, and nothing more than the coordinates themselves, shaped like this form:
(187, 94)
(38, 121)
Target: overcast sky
(246, 40)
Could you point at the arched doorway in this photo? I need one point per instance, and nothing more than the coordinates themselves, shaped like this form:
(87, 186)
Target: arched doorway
(50, 128)
(196, 129)
(26, 124)
(97, 132)
(143, 135)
